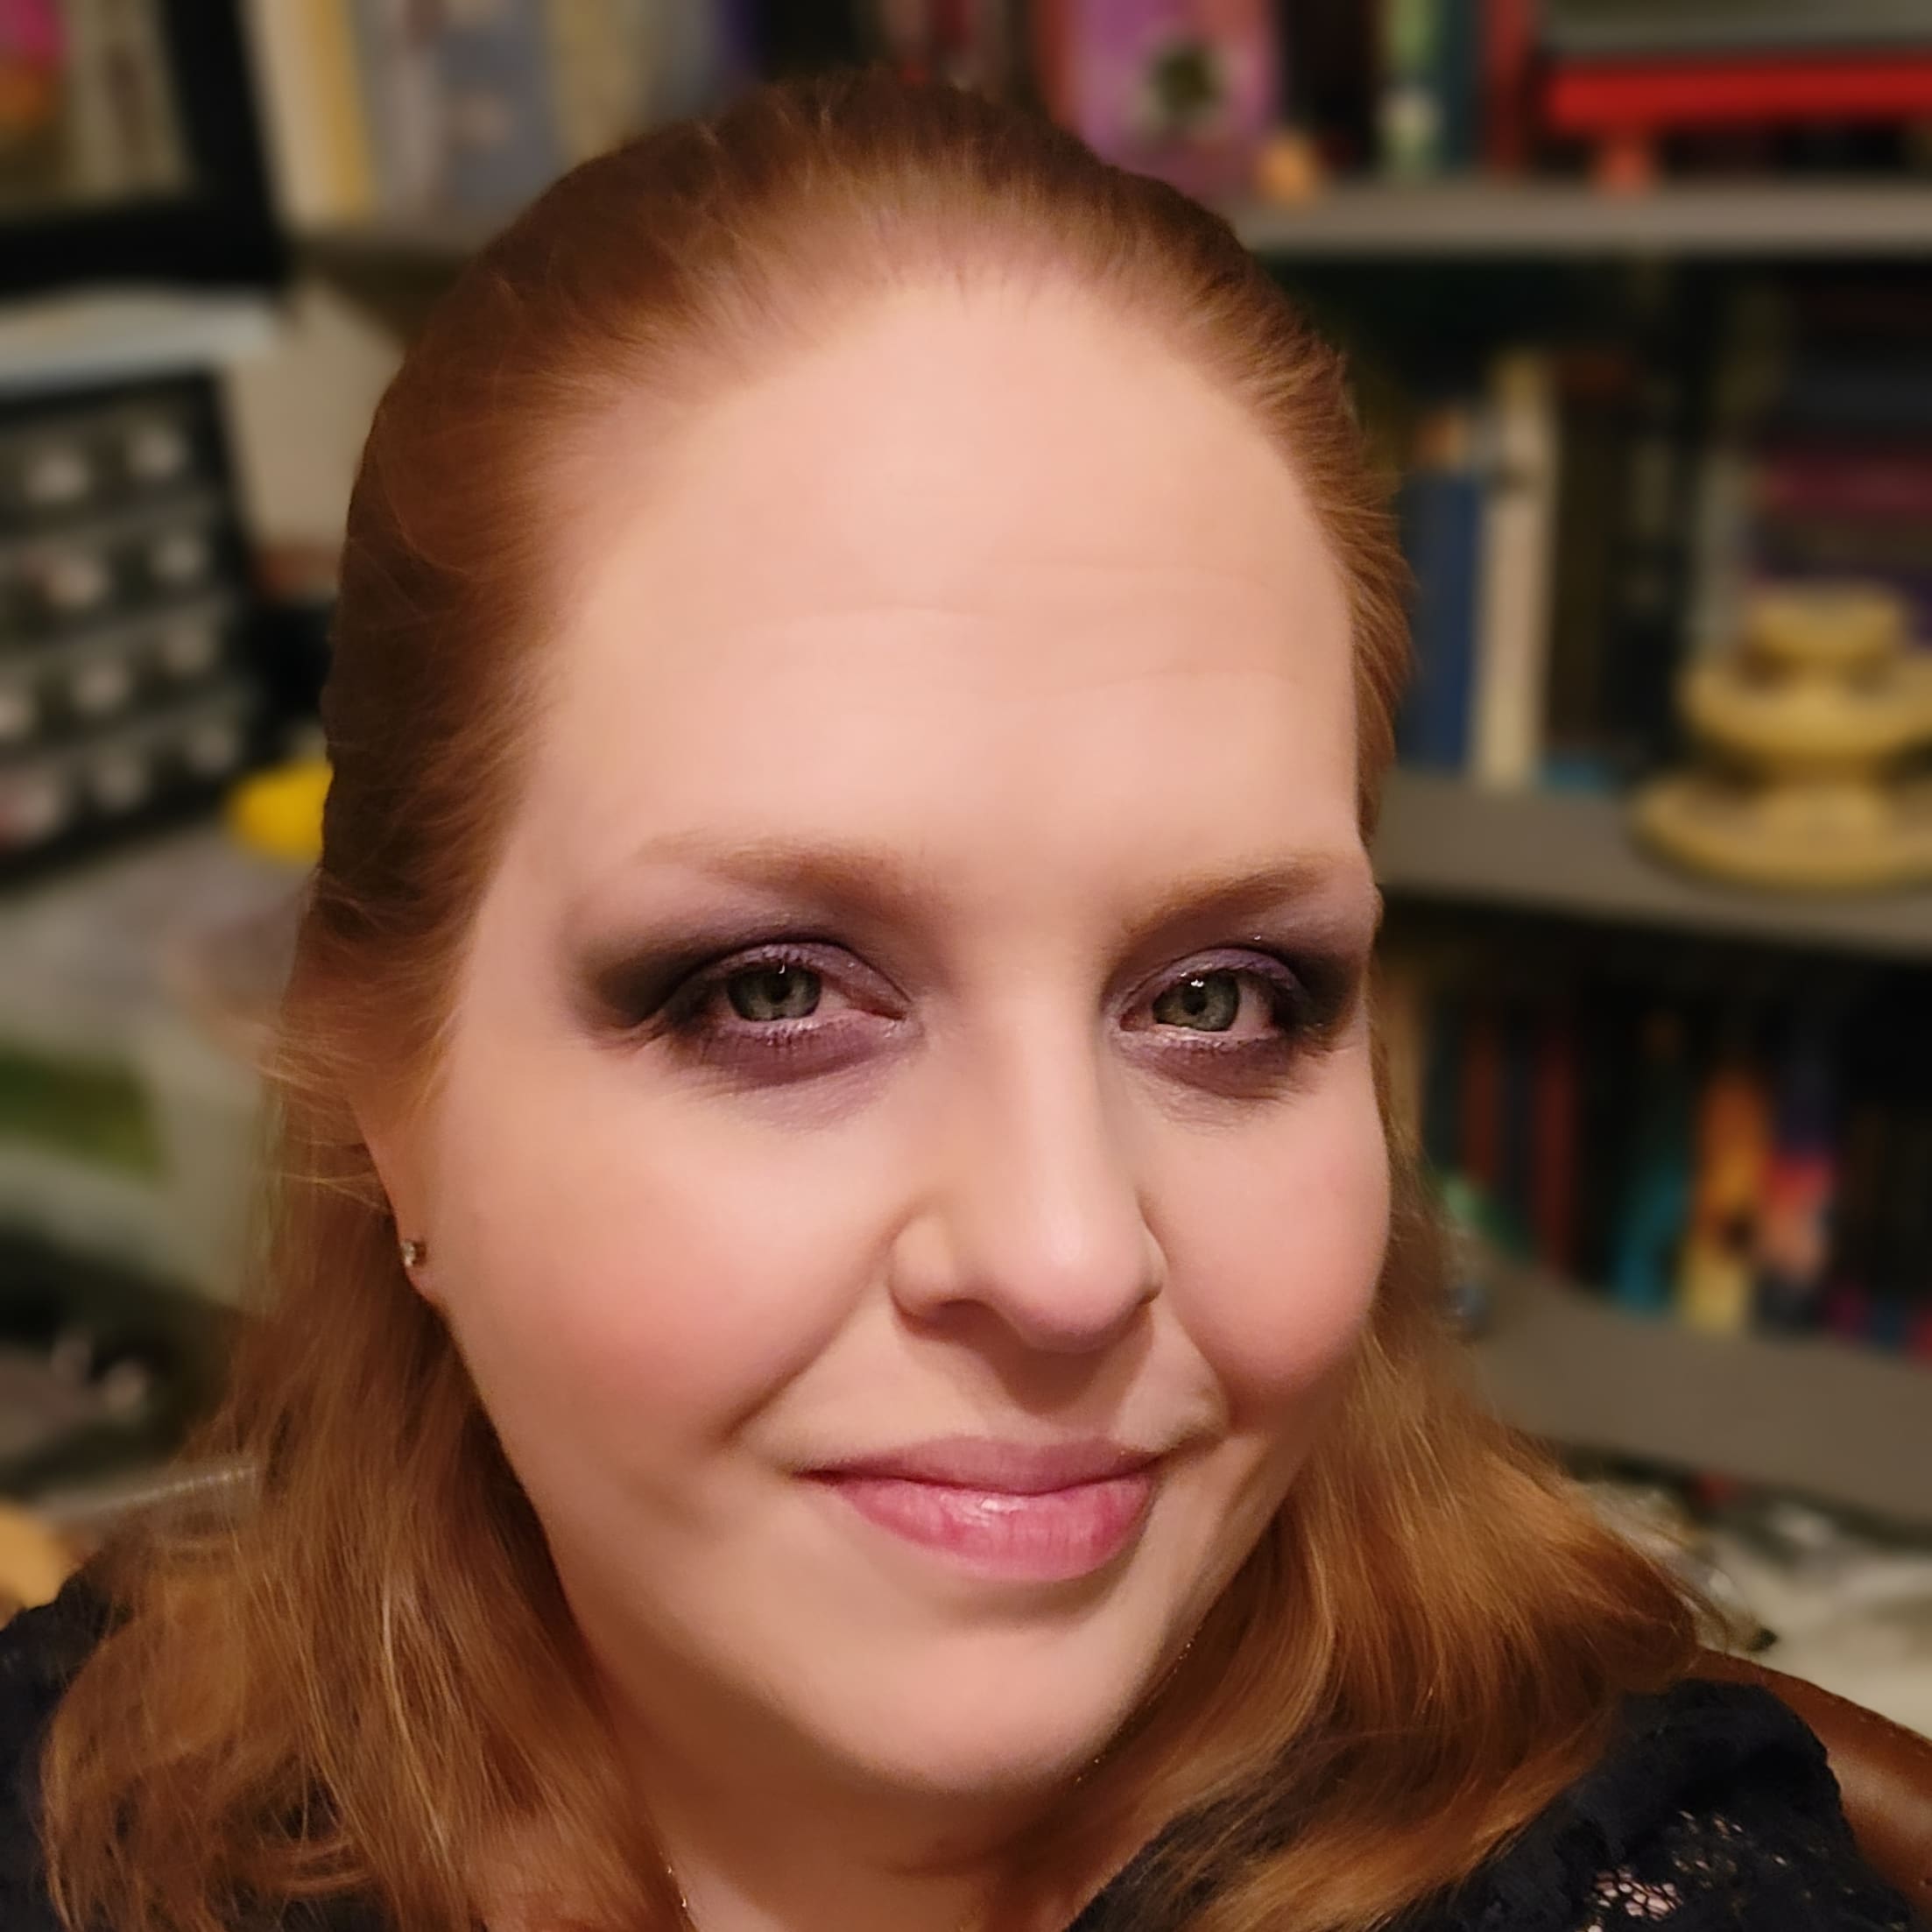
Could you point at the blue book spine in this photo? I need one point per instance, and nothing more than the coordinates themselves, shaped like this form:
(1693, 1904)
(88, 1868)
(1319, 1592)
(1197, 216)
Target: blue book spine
(1441, 515)
(500, 129)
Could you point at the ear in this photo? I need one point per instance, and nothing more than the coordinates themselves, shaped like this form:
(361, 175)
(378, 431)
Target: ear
(395, 1153)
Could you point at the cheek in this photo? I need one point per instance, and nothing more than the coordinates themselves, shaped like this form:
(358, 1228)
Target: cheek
(616, 1267)
(1279, 1260)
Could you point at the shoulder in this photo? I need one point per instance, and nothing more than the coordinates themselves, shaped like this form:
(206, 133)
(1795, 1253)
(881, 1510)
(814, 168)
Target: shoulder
(1714, 1805)
(41, 1652)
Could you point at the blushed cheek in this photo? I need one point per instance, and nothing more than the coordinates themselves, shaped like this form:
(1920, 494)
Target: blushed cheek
(1278, 1301)
(613, 1284)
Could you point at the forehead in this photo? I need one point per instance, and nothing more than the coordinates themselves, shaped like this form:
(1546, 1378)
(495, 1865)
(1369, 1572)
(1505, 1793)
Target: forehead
(972, 538)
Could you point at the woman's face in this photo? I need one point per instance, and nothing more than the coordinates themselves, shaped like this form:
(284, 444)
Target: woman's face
(908, 1177)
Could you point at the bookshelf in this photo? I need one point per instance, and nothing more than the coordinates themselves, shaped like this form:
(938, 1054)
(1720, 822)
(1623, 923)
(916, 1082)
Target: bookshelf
(1781, 219)
(1572, 854)
(1448, 220)
(438, 242)
(1842, 1423)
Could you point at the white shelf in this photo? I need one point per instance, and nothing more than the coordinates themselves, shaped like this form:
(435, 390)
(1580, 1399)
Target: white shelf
(1572, 853)
(1840, 1423)
(1763, 219)
(100, 336)
(1454, 219)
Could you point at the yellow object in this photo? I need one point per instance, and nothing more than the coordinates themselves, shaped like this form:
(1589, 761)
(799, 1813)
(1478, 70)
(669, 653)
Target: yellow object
(1288, 169)
(279, 812)
(34, 1563)
(1813, 727)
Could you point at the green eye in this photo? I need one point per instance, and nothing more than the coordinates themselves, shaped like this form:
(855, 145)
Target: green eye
(1208, 1003)
(777, 992)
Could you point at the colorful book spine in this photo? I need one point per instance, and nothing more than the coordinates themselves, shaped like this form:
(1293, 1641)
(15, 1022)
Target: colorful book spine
(1795, 1222)
(1717, 1276)
(1480, 1128)
(1594, 392)
(1647, 614)
(499, 116)
(397, 72)
(1886, 483)
(1619, 97)
(305, 63)
(1649, 1228)
(1514, 606)
(598, 62)
(1412, 115)
(1440, 512)
(1556, 1149)
(1507, 34)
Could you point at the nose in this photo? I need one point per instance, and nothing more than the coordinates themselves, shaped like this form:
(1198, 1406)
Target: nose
(1035, 1217)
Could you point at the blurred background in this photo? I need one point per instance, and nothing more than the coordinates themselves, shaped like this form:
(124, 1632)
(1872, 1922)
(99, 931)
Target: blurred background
(1638, 295)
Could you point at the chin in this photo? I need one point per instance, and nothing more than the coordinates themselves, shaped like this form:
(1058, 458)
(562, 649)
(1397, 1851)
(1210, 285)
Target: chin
(1019, 1719)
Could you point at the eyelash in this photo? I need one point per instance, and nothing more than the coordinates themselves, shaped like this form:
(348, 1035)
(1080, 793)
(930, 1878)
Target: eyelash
(1309, 998)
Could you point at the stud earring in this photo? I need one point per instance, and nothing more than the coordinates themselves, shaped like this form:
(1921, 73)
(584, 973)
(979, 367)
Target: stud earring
(414, 1253)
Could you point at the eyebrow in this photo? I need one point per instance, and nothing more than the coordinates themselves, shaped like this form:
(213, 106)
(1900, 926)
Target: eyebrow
(857, 880)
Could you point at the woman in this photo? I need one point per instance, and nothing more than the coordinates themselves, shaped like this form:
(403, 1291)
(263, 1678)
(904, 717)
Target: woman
(849, 1349)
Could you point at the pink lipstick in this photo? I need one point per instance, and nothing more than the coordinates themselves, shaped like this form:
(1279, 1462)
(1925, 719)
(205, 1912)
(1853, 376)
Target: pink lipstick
(1036, 1513)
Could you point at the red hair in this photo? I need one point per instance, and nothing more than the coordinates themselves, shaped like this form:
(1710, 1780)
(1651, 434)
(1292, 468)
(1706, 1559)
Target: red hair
(369, 1681)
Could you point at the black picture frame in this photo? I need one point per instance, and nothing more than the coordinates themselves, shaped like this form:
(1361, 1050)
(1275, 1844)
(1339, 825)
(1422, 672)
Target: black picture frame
(222, 232)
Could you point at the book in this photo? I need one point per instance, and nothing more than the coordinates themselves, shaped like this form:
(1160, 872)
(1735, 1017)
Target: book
(1441, 1091)
(1718, 1272)
(1506, 39)
(1866, 395)
(1412, 110)
(1794, 1220)
(1655, 1201)
(1616, 99)
(1439, 511)
(120, 119)
(1649, 27)
(498, 117)
(1518, 1123)
(1556, 1150)
(1512, 616)
(1329, 58)
(1480, 1125)
(1594, 389)
(598, 52)
(1879, 482)
(1649, 581)
(305, 63)
(397, 71)
(1856, 1248)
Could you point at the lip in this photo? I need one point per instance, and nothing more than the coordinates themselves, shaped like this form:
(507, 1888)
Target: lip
(1038, 1512)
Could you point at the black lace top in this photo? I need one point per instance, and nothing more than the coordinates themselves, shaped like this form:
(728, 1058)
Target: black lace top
(1713, 1809)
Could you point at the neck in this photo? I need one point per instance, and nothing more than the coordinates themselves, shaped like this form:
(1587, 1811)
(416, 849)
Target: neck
(761, 1835)
(759, 1843)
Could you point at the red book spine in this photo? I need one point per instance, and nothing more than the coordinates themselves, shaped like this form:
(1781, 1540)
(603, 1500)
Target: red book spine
(1553, 1187)
(1876, 486)
(1509, 38)
(1622, 96)
(1482, 1123)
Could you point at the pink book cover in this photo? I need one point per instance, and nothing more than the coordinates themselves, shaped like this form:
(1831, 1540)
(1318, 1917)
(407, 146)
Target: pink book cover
(1185, 89)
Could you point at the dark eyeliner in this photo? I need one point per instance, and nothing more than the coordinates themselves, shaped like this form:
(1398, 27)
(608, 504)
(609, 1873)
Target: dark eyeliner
(628, 988)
